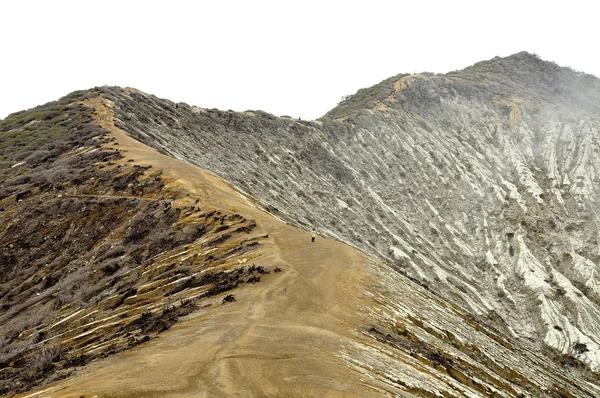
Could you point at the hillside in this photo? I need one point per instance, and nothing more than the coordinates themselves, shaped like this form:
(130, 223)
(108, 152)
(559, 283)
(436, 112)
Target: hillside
(100, 252)
(471, 196)
(475, 183)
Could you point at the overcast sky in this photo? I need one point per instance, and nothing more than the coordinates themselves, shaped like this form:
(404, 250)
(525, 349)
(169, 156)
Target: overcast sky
(294, 58)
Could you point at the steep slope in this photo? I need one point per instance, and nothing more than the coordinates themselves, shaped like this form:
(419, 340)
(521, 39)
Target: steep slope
(99, 253)
(333, 323)
(479, 277)
(479, 184)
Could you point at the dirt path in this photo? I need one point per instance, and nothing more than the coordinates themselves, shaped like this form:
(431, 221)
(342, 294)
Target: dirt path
(282, 337)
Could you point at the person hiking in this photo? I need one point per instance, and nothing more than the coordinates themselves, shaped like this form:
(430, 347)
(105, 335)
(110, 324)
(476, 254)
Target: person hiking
(313, 235)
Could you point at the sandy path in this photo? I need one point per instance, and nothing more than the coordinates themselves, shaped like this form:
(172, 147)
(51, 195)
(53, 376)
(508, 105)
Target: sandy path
(281, 337)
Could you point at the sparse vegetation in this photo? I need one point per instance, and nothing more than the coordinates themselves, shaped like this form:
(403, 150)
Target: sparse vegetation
(364, 98)
(580, 348)
(82, 233)
(230, 298)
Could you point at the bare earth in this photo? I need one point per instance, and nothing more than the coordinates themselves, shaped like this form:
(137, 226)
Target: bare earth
(280, 338)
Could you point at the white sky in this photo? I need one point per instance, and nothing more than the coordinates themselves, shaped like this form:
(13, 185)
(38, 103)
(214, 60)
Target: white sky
(292, 58)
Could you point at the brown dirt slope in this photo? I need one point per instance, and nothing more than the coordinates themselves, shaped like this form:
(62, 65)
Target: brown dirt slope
(98, 254)
(280, 338)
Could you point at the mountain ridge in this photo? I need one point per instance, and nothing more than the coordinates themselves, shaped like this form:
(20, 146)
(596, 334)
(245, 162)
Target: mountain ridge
(429, 122)
(522, 68)
(399, 339)
(474, 205)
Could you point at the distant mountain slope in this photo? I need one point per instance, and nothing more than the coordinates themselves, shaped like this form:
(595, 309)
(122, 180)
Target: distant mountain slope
(480, 184)
(523, 75)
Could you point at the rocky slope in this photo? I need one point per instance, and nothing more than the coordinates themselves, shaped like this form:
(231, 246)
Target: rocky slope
(334, 323)
(480, 184)
(472, 194)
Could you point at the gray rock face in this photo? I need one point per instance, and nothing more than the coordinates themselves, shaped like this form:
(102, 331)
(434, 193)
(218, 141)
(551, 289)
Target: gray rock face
(481, 185)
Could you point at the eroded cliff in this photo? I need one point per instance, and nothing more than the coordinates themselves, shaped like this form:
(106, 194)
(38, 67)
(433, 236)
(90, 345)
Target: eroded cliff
(480, 184)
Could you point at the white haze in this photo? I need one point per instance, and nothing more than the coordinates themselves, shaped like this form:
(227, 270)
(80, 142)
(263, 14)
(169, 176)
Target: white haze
(292, 58)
